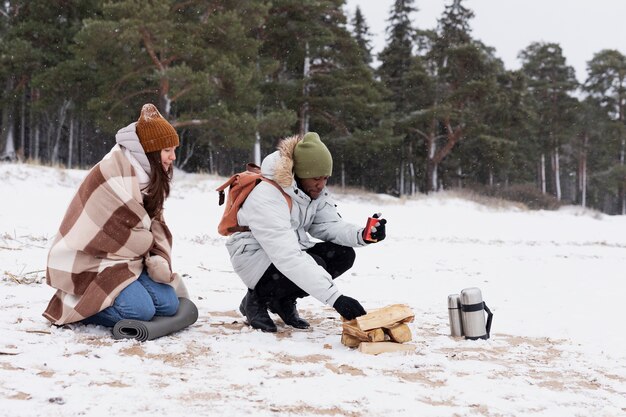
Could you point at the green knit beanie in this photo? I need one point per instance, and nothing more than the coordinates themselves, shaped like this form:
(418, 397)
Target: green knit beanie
(311, 158)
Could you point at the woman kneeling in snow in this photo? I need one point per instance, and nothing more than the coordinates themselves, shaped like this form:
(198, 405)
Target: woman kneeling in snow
(110, 259)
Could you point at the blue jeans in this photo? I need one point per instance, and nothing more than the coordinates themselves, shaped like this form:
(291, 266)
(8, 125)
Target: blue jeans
(141, 300)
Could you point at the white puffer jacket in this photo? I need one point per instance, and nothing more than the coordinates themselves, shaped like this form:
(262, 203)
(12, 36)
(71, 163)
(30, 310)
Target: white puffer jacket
(281, 238)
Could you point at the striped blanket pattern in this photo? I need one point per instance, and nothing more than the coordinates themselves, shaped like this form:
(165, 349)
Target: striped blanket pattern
(100, 247)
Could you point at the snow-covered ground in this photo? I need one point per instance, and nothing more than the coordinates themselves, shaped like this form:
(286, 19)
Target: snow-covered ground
(554, 280)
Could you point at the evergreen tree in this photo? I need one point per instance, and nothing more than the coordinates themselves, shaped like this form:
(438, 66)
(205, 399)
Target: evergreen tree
(464, 73)
(362, 36)
(195, 60)
(593, 156)
(8, 79)
(322, 74)
(397, 62)
(606, 83)
(238, 75)
(410, 90)
(551, 82)
(495, 143)
(514, 121)
(39, 40)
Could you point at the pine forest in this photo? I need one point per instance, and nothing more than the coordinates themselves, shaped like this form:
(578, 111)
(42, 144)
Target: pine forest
(434, 110)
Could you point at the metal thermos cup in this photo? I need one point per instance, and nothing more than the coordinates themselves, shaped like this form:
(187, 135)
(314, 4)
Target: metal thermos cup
(454, 314)
(473, 316)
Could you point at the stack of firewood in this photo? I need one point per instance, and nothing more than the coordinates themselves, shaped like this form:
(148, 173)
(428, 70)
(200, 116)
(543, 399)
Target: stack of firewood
(379, 331)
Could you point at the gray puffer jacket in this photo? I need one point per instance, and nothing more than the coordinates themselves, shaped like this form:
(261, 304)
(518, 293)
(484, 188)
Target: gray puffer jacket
(279, 237)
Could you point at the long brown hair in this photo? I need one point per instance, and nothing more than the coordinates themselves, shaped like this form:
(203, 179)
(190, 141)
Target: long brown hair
(159, 187)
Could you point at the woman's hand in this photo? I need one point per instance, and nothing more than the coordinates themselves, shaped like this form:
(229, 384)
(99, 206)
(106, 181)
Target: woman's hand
(158, 269)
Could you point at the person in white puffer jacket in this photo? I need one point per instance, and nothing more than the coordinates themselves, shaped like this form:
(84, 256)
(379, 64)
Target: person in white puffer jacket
(276, 259)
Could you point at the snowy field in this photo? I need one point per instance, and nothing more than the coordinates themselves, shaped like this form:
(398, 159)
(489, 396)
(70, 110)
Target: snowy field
(555, 282)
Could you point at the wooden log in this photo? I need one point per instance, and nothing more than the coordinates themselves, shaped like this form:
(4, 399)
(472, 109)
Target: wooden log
(349, 341)
(383, 347)
(351, 328)
(385, 317)
(399, 333)
(375, 335)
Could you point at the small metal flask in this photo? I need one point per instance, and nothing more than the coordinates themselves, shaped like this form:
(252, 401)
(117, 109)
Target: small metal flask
(454, 314)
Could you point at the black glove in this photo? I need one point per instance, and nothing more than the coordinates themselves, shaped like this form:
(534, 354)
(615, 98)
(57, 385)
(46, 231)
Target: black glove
(377, 231)
(349, 308)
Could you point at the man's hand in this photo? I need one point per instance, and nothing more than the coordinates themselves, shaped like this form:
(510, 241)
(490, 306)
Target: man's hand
(349, 308)
(158, 269)
(377, 230)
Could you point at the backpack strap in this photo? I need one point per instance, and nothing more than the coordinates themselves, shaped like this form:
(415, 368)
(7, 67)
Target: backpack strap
(235, 229)
(238, 228)
(224, 186)
(249, 167)
(275, 184)
(252, 167)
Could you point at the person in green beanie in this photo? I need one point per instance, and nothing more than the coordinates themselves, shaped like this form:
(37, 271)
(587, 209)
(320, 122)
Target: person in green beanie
(275, 257)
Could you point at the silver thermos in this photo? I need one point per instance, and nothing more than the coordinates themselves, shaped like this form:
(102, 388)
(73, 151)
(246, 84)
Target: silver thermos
(454, 314)
(473, 316)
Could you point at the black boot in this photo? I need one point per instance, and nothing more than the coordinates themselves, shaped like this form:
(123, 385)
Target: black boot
(255, 311)
(286, 310)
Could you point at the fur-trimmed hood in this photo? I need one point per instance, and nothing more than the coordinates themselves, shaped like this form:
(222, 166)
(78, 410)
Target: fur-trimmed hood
(278, 165)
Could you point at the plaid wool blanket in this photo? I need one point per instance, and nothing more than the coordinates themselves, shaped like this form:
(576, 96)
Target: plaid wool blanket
(100, 247)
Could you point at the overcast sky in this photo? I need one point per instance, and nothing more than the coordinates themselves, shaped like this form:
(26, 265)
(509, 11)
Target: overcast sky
(581, 27)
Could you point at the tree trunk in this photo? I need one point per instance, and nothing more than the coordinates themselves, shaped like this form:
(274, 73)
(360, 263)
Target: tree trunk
(79, 143)
(33, 130)
(542, 173)
(211, 164)
(401, 187)
(7, 138)
(343, 176)
(431, 167)
(582, 171)
(48, 129)
(36, 140)
(410, 181)
(189, 153)
(257, 148)
(167, 102)
(435, 156)
(54, 159)
(413, 179)
(621, 192)
(70, 145)
(304, 121)
(557, 173)
(257, 134)
(433, 176)
(21, 152)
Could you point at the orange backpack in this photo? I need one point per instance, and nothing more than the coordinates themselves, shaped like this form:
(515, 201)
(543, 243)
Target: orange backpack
(239, 186)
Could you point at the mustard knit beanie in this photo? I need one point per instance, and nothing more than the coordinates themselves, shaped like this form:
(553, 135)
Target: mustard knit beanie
(311, 158)
(155, 133)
